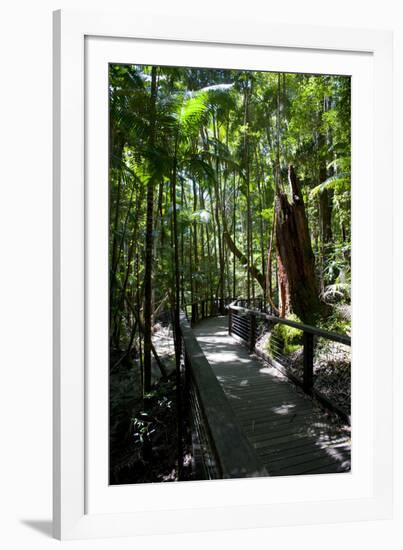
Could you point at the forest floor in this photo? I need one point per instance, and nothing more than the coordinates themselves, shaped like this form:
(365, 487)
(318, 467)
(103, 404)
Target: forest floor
(150, 452)
(144, 443)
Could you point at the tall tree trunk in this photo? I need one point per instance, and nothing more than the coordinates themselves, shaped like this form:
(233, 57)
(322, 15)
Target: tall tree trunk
(325, 218)
(261, 229)
(233, 253)
(116, 154)
(195, 246)
(295, 254)
(148, 267)
(325, 209)
(115, 149)
(119, 299)
(219, 209)
(138, 307)
(177, 289)
(208, 262)
(325, 197)
(177, 331)
(249, 260)
(182, 247)
(215, 254)
(203, 255)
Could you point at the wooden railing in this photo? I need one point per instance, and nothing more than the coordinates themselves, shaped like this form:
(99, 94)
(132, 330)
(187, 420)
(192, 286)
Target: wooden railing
(242, 324)
(219, 447)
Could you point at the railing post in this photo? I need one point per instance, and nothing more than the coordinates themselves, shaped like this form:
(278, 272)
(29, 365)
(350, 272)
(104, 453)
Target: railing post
(308, 361)
(252, 335)
(229, 320)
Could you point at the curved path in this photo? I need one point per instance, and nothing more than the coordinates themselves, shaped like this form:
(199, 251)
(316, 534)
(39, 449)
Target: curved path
(290, 432)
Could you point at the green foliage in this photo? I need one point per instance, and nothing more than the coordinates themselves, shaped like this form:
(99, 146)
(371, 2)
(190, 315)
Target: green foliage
(337, 273)
(339, 320)
(339, 182)
(285, 339)
(192, 113)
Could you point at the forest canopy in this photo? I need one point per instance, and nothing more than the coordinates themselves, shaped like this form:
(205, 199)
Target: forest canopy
(200, 160)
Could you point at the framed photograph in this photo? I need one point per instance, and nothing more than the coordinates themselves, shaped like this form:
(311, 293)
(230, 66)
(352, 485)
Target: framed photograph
(221, 230)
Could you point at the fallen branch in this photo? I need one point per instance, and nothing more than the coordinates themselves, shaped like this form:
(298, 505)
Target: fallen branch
(254, 272)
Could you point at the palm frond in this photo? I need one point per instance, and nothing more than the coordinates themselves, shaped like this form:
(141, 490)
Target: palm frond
(338, 181)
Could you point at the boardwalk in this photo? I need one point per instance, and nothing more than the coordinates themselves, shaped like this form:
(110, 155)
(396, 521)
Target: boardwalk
(291, 434)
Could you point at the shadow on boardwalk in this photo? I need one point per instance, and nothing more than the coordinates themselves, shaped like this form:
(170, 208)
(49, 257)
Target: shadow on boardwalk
(290, 432)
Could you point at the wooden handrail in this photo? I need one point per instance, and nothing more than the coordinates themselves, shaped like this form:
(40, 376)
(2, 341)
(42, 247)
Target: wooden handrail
(342, 338)
(234, 455)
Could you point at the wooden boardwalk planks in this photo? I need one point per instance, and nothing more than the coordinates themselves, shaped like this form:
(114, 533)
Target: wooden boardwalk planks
(290, 432)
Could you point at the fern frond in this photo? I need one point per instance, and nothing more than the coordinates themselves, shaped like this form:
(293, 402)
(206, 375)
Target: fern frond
(337, 181)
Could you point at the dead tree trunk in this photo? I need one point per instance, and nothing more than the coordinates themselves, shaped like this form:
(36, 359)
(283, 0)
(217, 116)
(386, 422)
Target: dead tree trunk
(298, 283)
(284, 301)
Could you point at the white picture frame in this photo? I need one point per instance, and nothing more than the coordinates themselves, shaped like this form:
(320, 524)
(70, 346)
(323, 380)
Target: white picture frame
(79, 227)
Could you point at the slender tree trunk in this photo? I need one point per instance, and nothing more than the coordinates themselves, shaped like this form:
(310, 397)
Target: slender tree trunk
(218, 210)
(325, 228)
(210, 277)
(194, 273)
(202, 244)
(215, 257)
(234, 235)
(261, 231)
(182, 249)
(116, 149)
(138, 302)
(148, 267)
(177, 289)
(247, 182)
(122, 292)
(178, 341)
(325, 197)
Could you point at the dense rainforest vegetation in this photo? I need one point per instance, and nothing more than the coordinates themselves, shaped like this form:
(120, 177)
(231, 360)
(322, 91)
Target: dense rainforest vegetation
(223, 183)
